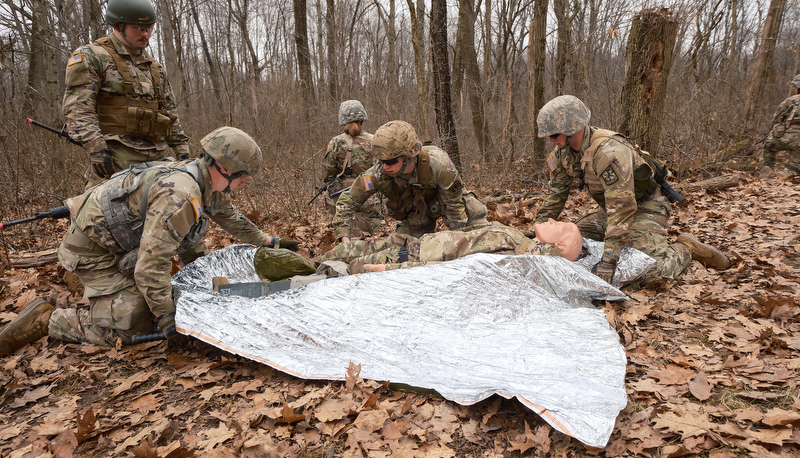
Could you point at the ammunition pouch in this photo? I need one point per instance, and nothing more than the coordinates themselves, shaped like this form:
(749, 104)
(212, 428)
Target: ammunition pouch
(135, 117)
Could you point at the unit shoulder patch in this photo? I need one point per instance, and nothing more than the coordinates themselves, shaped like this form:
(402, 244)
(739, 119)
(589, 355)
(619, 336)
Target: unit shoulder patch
(610, 175)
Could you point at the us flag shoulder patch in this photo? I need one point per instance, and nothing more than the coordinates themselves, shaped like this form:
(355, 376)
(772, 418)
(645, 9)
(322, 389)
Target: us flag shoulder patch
(198, 208)
(76, 59)
(551, 162)
(368, 183)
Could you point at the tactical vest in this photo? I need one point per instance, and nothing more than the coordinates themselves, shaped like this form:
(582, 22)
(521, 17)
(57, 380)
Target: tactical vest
(644, 174)
(125, 227)
(132, 114)
(418, 195)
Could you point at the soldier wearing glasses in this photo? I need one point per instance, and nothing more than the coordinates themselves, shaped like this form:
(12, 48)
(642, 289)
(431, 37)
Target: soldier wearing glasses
(118, 101)
(420, 183)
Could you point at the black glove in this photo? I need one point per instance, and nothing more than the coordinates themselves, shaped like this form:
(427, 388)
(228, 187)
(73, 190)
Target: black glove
(285, 242)
(102, 163)
(166, 324)
(605, 268)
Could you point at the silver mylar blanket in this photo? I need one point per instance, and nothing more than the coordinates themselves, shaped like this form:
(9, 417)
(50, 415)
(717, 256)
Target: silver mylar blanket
(516, 326)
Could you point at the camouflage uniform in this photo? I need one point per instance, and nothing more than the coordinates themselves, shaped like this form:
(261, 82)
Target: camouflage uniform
(633, 212)
(124, 305)
(785, 134)
(437, 247)
(92, 73)
(417, 207)
(346, 158)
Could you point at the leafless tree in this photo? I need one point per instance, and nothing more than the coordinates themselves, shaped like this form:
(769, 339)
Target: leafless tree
(441, 81)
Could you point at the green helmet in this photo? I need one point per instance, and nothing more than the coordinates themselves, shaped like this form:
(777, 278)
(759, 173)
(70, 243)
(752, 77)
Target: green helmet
(350, 111)
(233, 149)
(137, 12)
(565, 114)
(395, 139)
(795, 81)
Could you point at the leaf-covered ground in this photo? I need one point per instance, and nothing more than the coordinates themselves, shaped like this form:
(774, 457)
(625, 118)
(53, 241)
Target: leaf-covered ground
(713, 360)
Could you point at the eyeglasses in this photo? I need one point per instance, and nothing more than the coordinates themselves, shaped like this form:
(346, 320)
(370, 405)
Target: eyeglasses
(554, 136)
(391, 161)
(146, 29)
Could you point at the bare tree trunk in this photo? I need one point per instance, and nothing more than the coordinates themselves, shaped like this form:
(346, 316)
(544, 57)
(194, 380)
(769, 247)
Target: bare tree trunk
(41, 69)
(388, 18)
(536, 64)
(563, 44)
(417, 30)
(732, 53)
(240, 12)
(213, 69)
(651, 43)
(487, 43)
(474, 86)
(303, 55)
(333, 54)
(766, 57)
(441, 81)
(93, 19)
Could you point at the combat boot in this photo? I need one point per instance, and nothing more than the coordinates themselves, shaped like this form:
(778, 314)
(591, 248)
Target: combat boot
(29, 326)
(705, 254)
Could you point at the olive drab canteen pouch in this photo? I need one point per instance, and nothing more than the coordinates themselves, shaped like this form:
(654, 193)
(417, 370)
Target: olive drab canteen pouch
(276, 264)
(125, 227)
(131, 114)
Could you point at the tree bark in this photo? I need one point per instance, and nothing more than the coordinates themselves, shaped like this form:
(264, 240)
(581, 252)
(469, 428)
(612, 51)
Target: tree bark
(536, 65)
(563, 44)
(303, 55)
(417, 34)
(651, 43)
(766, 59)
(474, 86)
(333, 54)
(441, 81)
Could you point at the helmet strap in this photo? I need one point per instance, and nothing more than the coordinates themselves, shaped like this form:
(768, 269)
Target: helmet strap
(406, 163)
(128, 42)
(213, 163)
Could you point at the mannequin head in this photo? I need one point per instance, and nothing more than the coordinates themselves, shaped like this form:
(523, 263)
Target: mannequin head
(565, 236)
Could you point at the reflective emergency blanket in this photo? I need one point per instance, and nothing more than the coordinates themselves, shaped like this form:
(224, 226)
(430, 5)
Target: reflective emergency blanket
(632, 262)
(516, 326)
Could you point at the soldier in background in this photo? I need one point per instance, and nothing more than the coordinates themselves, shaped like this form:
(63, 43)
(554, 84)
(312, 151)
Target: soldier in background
(118, 101)
(785, 134)
(124, 233)
(421, 184)
(349, 154)
(401, 250)
(633, 211)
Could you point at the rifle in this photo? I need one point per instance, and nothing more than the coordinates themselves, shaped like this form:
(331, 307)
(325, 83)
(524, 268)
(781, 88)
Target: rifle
(56, 213)
(143, 338)
(320, 190)
(765, 137)
(323, 188)
(660, 176)
(60, 133)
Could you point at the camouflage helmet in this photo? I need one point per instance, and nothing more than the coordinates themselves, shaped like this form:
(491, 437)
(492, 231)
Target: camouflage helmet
(350, 111)
(137, 12)
(795, 81)
(565, 114)
(233, 149)
(395, 139)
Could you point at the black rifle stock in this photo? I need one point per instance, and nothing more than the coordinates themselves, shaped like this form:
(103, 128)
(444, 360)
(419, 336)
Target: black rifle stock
(60, 133)
(56, 213)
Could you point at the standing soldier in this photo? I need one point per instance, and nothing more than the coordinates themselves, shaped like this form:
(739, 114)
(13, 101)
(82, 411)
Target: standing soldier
(785, 133)
(619, 177)
(123, 236)
(349, 155)
(118, 101)
(420, 183)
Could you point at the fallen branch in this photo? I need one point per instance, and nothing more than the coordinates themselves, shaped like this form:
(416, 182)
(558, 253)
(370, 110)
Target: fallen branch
(712, 184)
(36, 259)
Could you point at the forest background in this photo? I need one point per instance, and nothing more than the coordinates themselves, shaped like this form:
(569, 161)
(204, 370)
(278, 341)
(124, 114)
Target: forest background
(279, 70)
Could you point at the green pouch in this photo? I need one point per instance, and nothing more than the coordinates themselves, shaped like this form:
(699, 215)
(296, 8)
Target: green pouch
(275, 264)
